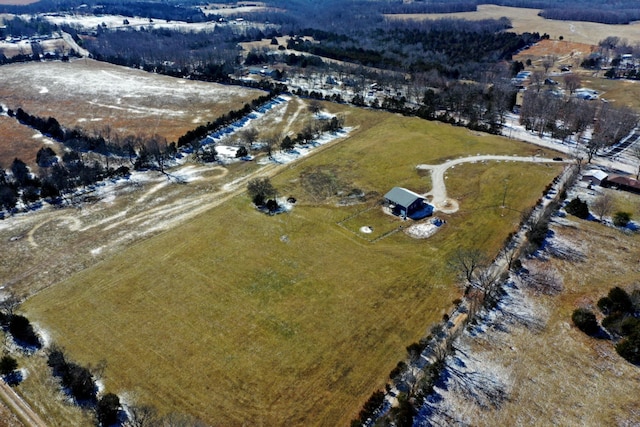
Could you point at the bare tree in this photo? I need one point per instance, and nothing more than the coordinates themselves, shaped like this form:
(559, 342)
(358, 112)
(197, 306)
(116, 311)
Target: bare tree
(510, 254)
(635, 152)
(602, 205)
(488, 282)
(249, 136)
(142, 416)
(613, 124)
(315, 106)
(467, 262)
(271, 141)
(547, 63)
(537, 80)
(543, 279)
(157, 149)
(592, 147)
(572, 82)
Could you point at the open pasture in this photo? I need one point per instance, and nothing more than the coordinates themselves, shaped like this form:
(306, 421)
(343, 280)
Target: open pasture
(596, 385)
(619, 92)
(238, 317)
(95, 95)
(21, 142)
(527, 20)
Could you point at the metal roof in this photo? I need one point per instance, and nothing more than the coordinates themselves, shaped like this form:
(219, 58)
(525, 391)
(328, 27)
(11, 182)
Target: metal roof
(597, 174)
(402, 196)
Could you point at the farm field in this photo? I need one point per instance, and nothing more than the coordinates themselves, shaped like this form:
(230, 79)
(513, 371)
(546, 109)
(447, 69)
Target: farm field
(619, 92)
(527, 20)
(21, 142)
(566, 53)
(290, 319)
(596, 385)
(92, 95)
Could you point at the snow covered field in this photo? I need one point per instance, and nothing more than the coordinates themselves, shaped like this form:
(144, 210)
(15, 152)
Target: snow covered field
(93, 94)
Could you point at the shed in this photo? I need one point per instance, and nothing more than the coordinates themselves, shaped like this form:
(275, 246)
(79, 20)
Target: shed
(405, 203)
(594, 176)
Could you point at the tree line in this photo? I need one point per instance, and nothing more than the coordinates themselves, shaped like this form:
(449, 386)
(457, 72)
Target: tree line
(543, 111)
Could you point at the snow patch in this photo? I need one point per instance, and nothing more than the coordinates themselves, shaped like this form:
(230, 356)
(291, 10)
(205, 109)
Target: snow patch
(285, 157)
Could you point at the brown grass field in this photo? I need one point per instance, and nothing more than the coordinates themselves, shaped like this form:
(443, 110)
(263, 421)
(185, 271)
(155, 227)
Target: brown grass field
(21, 142)
(560, 375)
(527, 20)
(238, 317)
(91, 95)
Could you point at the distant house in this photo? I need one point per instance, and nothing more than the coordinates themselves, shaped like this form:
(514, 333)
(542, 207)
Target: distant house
(594, 176)
(625, 183)
(263, 71)
(407, 204)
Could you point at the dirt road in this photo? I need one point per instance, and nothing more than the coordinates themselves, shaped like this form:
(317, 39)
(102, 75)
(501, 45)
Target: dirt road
(19, 407)
(439, 190)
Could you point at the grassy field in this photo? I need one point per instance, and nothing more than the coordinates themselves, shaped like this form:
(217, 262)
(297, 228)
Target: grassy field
(527, 20)
(292, 319)
(19, 141)
(620, 92)
(130, 102)
(559, 374)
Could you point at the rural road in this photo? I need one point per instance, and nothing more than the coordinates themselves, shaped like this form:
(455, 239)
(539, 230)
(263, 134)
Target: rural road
(439, 190)
(19, 407)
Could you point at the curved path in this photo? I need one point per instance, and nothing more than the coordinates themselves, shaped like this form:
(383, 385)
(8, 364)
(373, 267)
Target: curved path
(71, 222)
(439, 190)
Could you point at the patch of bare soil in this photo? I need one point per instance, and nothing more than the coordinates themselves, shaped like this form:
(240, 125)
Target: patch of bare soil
(564, 53)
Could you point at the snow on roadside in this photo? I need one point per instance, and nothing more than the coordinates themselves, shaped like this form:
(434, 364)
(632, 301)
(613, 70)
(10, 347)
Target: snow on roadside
(285, 157)
(475, 380)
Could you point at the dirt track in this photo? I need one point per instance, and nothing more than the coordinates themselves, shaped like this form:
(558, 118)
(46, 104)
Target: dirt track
(19, 407)
(439, 190)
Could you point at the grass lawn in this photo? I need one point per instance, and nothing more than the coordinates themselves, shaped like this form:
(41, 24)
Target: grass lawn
(238, 317)
(619, 92)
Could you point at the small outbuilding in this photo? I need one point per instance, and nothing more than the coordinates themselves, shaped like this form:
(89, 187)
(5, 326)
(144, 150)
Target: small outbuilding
(407, 204)
(594, 176)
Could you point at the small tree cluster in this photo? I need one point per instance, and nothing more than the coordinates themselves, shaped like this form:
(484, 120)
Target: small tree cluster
(77, 380)
(585, 320)
(369, 408)
(7, 365)
(577, 207)
(107, 409)
(621, 219)
(622, 321)
(17, 325)
(261, 191)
